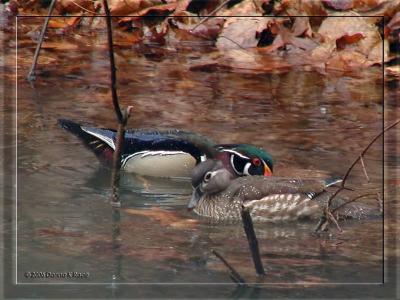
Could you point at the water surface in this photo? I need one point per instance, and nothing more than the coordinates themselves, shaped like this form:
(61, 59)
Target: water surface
(313, 124)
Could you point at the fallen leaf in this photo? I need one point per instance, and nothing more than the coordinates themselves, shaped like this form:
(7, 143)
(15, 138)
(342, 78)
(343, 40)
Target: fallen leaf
(62, 23)
(346, 60)
(393, 24)
(180, 9)
(74, 6)
(158, 10)
(395, 71)
(335, 27)
(57, 231)
(244, 8)
(240, 33)
(286, 37)
(59, 46)
(367, 5)
(126, 7)
(302, 26)
(299, 8)
(339, 4)
(356, 36)
(208, 30)
(164, 217)
(348, 39)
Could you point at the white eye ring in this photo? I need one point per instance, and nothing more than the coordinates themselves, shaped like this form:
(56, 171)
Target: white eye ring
(207, 177)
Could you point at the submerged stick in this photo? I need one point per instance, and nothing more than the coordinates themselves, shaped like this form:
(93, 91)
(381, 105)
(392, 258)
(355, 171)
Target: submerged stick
(31, 75)
(233, 274)
(252, 239)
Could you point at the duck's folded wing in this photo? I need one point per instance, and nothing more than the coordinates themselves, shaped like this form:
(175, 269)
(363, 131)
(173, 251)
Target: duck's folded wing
(250, 188)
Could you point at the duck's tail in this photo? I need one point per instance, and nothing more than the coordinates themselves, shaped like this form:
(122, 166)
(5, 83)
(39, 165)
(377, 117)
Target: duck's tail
(100, 141)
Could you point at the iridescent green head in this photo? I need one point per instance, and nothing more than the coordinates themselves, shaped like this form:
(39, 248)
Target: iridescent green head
(246, 159)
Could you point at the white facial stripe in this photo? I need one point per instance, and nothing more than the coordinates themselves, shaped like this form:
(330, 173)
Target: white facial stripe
(246, 169)
(105, 139)
(235, 152)
(233, 166)
(203, 158)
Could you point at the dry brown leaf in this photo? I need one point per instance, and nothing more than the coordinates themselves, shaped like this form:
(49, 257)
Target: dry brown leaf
(346, 60)
(208, 30)
(57, 231)
(240, 33)
(348, 39)
(59, 46)
(362, 35)
(164, 217)
(300, 8)
(339, 4)
(158, 10)
(126, 7)
(375, 55)
(284, 36)
(393, 24)
(367, 5)
(395, 71)
(180, 9)
(323, 51)
(302, 26)
(244, 8)
(74, 6)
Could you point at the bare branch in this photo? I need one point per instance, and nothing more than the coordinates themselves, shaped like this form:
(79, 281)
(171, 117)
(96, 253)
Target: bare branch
(112, 64)
(358, 159)
(328, 214)
(121, 117)
(31, 75)
(233, 274)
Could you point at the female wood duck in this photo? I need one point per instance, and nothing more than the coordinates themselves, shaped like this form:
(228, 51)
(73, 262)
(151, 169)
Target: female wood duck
(171, 153)
(220, 196)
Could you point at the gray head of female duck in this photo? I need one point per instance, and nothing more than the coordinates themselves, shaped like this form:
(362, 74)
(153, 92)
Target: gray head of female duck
(219, 195)
(208, 178)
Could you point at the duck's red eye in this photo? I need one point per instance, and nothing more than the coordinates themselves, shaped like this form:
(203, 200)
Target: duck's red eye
(256, 162)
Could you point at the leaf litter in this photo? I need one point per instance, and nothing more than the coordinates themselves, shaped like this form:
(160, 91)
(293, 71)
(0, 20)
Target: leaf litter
(241, 37)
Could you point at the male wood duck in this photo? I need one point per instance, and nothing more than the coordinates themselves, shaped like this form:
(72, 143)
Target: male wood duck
(220, 196)
(171, 153)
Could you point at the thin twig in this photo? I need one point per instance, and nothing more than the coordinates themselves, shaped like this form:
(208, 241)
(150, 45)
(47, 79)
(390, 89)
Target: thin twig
(234, 275)
(31, 74)
(210, 15)
(85, 9)
(332, 218)
(328, 215)
(352, 200)
(364, 169)
(121, 117)
(112, 64)
(252, 239)
(357, 159)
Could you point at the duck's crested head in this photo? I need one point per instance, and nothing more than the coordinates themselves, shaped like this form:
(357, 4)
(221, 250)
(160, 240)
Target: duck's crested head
(247, 159)
(208, 178)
